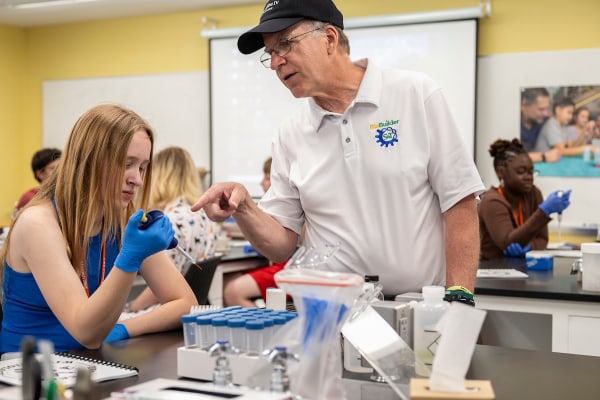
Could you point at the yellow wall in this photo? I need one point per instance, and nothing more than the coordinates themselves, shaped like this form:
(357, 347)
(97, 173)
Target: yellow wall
(172, 43)
(12, 140)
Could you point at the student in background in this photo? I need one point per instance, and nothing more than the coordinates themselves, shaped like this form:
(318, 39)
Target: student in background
(554, 133)
(72, 254)
(242, 288)
(513, 217)
(581, 129)
(535, 110)
(43, 163)
(596, 132)
(373, 161)
(175, 187)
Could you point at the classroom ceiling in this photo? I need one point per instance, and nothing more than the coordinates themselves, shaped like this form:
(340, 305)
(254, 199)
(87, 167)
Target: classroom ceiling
(48, 12)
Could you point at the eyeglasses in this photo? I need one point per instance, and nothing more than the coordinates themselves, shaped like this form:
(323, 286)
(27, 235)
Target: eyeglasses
(282, 48)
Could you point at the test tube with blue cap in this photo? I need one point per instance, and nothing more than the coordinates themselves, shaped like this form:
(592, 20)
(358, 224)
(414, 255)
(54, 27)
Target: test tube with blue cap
(268, 331)
(188, 322)
(237, 333)
(205, 332)
(254, 336)
(220, 326)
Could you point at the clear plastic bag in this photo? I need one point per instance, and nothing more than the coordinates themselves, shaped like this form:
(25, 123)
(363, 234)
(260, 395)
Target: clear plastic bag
(323, 300)
(315, 257)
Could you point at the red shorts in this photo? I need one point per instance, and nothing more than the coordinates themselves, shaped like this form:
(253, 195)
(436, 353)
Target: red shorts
(263, 276)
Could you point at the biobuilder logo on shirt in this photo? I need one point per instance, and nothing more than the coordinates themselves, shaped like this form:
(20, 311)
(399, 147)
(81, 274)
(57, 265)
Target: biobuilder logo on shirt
(385, 132)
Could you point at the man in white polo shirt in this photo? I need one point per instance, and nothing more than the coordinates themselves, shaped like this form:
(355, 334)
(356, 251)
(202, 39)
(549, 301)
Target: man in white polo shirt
(373, 161)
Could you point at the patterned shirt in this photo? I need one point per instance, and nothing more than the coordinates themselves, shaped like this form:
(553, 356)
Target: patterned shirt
(195, 232)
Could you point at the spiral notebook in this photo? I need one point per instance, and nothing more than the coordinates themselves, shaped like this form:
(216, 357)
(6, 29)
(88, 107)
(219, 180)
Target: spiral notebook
(65, 367)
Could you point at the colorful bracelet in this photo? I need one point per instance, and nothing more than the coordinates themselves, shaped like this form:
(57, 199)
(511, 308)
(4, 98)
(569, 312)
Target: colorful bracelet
(460, 288)
(460, 294)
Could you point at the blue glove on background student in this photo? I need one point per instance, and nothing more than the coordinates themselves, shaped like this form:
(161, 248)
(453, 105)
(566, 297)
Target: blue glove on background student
(556, 202)
(516, 250)
(137, 244)
(118, 332)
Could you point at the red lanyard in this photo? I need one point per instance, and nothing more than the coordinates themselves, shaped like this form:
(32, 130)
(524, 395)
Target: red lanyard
(518, 219)
(83, 271)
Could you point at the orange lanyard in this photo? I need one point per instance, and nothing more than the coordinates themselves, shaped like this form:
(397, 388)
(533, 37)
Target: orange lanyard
(518, 219)
(83, 271)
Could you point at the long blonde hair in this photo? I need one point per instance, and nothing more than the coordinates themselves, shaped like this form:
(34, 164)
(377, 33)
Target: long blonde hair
(89, 178)
(175, 175)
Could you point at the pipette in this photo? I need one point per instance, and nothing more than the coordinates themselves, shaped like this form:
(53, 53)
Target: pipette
(187, 255)
(151, 217)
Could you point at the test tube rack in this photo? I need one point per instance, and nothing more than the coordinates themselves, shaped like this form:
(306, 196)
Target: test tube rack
(194, 359)
(193, 362)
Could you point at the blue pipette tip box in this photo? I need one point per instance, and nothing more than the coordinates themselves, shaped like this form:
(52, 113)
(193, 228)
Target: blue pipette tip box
(539, 260)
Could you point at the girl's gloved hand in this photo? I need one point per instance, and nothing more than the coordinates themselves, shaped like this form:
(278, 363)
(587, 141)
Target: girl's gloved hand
(118, 332)
(137, 244)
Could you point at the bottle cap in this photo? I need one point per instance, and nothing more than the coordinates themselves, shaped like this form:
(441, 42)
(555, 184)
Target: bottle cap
(433, 292)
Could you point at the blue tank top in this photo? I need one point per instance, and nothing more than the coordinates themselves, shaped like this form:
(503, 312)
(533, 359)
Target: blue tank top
(26, 311)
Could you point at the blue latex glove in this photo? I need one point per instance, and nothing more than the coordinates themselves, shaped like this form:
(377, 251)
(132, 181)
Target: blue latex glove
(118, 332)
(515, 250)
(138, 243)
(556, 202)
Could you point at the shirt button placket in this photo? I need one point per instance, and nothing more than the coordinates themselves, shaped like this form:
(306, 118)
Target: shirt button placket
(347, 137)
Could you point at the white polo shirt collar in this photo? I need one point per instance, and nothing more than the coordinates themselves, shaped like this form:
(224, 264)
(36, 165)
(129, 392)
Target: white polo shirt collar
(369, 91)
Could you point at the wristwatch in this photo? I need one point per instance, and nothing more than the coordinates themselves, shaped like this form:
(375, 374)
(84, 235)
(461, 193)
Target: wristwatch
(460, 294)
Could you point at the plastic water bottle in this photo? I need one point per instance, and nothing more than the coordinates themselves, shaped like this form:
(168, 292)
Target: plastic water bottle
(426, 315)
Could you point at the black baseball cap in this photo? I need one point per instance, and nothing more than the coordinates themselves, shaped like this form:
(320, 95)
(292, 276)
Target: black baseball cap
(281, 14)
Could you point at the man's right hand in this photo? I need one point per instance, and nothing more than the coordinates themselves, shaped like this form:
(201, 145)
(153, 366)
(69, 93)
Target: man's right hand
(222, 200)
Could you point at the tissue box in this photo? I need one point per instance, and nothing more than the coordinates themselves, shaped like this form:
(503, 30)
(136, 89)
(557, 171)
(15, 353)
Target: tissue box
(539, 260)
(476, 390)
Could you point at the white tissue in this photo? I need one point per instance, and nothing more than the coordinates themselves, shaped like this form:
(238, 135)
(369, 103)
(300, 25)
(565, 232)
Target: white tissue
(460, 328)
